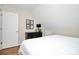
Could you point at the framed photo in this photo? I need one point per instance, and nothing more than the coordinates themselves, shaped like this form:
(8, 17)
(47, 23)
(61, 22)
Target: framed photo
(29, 24)
(31, 27)
(27, 21)
(32, 22)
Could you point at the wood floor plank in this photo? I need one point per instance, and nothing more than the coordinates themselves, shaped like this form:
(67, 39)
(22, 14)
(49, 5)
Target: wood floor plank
(10, 51)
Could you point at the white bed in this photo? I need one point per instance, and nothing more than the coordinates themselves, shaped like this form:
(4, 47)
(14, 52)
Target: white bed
(54, 44)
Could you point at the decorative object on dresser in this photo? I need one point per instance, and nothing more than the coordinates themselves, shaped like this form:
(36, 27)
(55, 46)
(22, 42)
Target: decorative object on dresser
(29, 24)
(38, 28)
(29, 35)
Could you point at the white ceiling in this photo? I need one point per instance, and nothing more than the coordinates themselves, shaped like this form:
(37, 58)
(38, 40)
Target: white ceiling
(28, 7)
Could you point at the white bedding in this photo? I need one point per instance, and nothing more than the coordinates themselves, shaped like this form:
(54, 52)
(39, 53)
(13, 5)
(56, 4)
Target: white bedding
(54, 44)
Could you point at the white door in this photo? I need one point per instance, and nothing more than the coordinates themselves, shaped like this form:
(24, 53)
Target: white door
(0, 29)
(10, 29)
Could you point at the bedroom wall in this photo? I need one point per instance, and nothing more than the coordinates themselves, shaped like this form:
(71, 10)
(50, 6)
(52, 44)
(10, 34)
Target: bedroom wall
(59, 19)
(22, 15)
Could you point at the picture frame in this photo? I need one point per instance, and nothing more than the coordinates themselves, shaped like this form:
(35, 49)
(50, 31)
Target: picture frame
(29, 24)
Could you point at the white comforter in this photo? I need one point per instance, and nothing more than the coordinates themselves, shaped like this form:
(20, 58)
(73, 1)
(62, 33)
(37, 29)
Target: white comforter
(54, 44)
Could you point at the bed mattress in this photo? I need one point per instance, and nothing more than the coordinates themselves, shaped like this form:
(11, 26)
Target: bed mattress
(54, 44)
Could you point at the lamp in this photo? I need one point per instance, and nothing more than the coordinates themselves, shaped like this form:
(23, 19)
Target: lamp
(38, 27)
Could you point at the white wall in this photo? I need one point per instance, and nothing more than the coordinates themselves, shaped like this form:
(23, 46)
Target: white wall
(0, 26)
(22, 15)
(60, 19)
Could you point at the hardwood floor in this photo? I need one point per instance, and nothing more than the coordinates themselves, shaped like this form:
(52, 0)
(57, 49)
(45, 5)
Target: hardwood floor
(10, 51)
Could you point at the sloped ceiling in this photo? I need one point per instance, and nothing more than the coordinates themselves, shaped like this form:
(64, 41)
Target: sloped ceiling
(58, 16)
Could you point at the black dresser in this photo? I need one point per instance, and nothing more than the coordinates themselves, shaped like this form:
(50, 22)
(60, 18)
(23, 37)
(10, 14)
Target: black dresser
(29, 35)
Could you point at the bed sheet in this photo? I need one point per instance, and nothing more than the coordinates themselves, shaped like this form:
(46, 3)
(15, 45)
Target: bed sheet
(54, 44)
